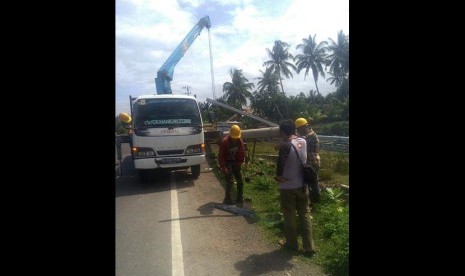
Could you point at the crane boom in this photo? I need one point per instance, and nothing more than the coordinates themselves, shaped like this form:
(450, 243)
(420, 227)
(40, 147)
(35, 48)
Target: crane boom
(165, 73)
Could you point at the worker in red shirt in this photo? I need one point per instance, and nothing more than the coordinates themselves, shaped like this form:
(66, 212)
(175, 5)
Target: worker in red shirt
(231, 157)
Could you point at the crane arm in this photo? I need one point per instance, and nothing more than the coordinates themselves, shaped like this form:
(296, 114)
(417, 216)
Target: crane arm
(165, 73)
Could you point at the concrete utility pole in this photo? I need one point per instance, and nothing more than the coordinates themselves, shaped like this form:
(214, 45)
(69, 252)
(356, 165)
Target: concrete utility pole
(188, 89)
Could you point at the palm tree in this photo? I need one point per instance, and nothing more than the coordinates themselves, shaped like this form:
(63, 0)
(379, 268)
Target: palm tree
(279, 60)
(237, 91)
(313, 57)
(315, 98)
(269, 81)
(338, 59)
(337, 78)
(268, 88)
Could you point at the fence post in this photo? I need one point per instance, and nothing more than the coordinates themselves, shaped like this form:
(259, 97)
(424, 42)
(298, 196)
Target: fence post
(253, 151)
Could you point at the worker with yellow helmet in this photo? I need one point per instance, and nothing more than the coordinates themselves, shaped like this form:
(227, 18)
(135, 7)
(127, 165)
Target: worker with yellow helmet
(313, 145)
(231, 157)
(126, 120)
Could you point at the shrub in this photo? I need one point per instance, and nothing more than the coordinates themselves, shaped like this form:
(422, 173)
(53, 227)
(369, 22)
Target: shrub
(333, 225)
(342, 164)
(262, 184)
(324, 174)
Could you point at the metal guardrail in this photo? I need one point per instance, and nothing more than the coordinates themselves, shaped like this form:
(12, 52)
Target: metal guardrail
(334, 143)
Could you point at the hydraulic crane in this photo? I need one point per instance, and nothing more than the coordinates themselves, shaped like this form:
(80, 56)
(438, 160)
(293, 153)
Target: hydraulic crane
(165, 73)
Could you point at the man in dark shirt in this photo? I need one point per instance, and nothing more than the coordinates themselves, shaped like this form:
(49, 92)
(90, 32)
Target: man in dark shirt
(293, 194)
(231, 157)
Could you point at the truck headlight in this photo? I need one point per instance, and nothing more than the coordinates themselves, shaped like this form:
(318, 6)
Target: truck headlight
(143, 152)
(193, 149)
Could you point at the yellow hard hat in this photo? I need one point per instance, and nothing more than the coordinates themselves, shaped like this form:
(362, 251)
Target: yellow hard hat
(125, 118)
(235, 132)
(300, 122)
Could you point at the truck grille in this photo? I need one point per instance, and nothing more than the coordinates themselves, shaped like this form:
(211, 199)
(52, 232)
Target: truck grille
(170, 152)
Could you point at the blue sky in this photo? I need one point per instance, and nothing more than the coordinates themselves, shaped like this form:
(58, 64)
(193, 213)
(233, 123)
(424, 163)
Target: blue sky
(147, 31)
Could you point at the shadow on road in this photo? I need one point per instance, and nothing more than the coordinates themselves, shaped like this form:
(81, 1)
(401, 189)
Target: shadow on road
(207, 210)
(126, 168)
(256, 264)
(129, 183)
(184, 179)
(197, 217)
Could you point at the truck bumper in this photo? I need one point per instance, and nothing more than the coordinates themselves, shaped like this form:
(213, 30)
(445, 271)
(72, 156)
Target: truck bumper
(168, 162)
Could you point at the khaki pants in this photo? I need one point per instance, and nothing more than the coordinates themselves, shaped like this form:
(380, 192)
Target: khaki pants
(293, 200)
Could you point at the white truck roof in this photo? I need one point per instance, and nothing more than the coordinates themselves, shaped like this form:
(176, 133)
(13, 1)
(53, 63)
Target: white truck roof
(165, 96)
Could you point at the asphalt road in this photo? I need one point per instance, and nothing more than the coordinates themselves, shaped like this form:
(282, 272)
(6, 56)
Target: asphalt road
(153, 239)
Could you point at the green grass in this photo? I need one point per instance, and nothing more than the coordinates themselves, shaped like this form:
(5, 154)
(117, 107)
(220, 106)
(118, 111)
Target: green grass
(330, 217)
(262, 147)
(331, 233)
(334, 168)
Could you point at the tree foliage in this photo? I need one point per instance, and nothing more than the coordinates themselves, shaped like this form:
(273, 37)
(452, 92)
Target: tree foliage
(279, 61)
(338, 59)
(270, 102)
(237, 91)
(313, 57)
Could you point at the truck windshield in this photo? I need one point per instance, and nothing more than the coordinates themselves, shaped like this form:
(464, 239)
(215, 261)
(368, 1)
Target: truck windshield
(166, 113)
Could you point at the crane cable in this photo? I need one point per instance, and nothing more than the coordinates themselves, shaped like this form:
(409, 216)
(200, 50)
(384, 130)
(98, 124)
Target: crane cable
(211, 63)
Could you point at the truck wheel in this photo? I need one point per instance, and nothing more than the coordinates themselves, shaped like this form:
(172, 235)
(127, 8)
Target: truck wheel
(144, 175)
(195, 170)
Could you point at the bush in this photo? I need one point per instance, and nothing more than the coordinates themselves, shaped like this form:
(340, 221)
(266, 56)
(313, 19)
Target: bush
(324, 174)
(335, 220)
(262, 184)
(119, 127)
(336, 128)
(338, 262)
(342, 164)
(332, 223)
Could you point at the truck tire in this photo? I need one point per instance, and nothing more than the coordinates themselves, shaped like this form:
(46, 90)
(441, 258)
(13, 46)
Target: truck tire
(195, 170)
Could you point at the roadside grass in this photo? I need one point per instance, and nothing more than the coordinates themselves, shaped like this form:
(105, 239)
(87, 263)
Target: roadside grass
(334, 168)
(262, 147)
(330, 217)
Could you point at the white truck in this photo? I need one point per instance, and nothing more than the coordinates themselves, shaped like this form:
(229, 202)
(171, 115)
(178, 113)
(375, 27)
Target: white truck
(168, 129)
(167, 133)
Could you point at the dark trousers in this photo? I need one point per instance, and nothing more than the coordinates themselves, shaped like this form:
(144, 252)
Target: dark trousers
(233, 169)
